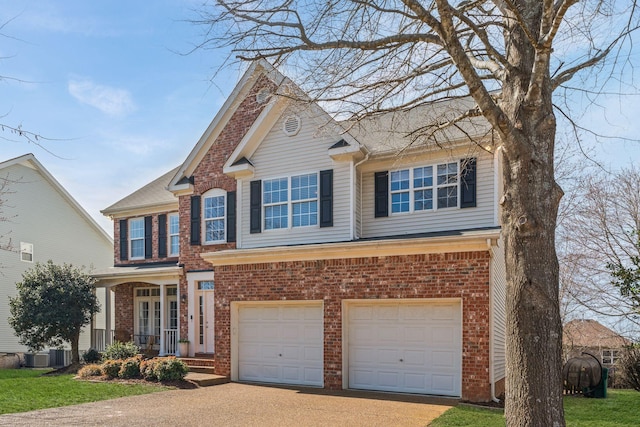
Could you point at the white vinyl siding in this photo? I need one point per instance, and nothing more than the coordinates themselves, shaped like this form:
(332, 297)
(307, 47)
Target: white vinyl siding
(430, 220)
(273, 159)
(58, 233)
(498, 295)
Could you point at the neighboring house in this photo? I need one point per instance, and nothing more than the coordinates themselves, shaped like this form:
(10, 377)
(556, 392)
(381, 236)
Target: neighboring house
(592, 337)
(41, 221)
(293, 249)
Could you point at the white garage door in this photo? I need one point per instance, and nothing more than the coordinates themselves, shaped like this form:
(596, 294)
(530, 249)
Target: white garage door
(281, 343)
(408, 347)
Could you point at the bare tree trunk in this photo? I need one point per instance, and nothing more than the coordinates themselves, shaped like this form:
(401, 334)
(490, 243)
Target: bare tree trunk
(75, 349)
(529, 213)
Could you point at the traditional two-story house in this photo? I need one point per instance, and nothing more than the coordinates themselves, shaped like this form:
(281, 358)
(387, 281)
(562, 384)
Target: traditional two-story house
(290, 248)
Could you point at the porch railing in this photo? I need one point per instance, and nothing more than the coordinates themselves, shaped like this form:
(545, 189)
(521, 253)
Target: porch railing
(100, 339)
(170, 341)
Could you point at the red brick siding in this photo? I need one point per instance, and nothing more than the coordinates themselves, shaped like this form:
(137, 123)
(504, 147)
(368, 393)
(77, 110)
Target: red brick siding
(208, 175)
(452, 275)
(155, 230)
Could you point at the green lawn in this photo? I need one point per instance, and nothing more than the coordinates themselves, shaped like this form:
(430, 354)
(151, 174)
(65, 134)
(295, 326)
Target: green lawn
(26, 390)
(620, 408)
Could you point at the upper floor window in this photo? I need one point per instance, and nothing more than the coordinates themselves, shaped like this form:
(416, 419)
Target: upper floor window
(291, 200)
(214, 216)
(26, 252)
(174, 235)
(413, 189)
(136, 238)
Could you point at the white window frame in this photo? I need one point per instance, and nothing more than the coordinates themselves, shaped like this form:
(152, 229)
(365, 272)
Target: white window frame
(26, 249)
(434, 188)
(289, 203)
(131, 239)
(612, 355)
(216, 192)
(172, 235)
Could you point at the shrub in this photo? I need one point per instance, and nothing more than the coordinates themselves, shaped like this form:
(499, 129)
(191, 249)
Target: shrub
(630, 368)
(91, 356)
(147, 369)
(130, 367)
(111, 368)
(170, 369)
(120, 350)
(91, 370)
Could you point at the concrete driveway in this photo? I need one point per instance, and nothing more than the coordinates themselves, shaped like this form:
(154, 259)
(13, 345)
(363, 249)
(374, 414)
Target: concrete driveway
(236, 404)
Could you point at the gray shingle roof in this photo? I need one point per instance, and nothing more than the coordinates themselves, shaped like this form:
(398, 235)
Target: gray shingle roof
(397, 130)
(153, 194)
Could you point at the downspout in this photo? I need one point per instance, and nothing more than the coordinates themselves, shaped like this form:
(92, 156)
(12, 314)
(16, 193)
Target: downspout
(366, 157)
(491, 314)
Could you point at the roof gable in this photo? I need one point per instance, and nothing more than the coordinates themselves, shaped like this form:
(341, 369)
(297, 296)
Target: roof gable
(590, 333)
(30, 161)
(224, 115)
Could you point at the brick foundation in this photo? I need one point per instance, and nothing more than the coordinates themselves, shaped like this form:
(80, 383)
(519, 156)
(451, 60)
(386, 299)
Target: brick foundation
(453, 275)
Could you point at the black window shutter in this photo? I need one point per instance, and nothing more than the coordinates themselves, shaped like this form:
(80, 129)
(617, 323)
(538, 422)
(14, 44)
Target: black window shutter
(124, 242)
(195, 220)
(162, 236)
(255, 208)
(148, 237)
(326, 198)
(381, 194)
(231, 216)
(468, 183)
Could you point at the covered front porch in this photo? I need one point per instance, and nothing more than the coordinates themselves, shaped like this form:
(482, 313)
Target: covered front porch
(143, 305)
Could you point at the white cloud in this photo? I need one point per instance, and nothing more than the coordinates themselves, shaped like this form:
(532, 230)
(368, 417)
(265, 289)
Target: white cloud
(109, 100)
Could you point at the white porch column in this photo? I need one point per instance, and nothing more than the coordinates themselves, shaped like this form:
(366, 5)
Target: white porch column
(163, 309)
(108, 333)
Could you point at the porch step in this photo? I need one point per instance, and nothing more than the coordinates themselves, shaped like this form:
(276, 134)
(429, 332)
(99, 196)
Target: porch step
(193, 362)
(206, 380)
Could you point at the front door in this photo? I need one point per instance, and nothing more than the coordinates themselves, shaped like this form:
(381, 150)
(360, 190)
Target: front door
(205, 317)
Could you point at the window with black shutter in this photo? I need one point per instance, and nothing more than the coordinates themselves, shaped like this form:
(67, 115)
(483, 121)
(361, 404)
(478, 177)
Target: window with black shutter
(195, 220)
(381, 183)
(326, 198)
(162, 236)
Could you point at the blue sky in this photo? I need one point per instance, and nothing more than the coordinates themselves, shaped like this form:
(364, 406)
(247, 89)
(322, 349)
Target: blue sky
(106, 80)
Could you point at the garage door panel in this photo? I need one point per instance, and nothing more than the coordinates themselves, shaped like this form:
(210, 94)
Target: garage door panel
(417, 351)
(415, 312)
(313, 353)
(386, 312)
(443, 359)
(414, 357)
(281, 343)
(312, 333)
(445, 312)
(387, 334)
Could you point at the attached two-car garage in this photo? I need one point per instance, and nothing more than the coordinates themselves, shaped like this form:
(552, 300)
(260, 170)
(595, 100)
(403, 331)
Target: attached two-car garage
(407, 346)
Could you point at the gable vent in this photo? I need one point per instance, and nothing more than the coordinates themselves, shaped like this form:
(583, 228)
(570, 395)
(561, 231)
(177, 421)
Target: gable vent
(263, 95)
(291, 125)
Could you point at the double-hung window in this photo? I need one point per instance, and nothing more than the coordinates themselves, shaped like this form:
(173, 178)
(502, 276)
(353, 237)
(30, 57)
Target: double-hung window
(275, 196)
(136, 238)
(214, 220)
(304, 200)
(447, 184)
(414, 189)
(174, 235)
(290, 201)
